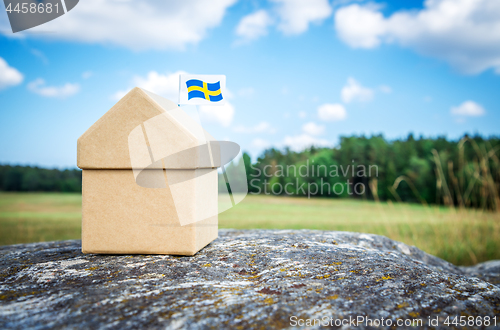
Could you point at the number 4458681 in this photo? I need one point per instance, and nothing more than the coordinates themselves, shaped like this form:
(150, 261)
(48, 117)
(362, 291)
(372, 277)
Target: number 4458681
(33, 8)
(471, 321)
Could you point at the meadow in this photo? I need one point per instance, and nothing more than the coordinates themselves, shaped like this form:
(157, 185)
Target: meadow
(461, 236)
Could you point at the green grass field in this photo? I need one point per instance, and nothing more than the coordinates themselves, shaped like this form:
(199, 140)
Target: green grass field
(462, 237)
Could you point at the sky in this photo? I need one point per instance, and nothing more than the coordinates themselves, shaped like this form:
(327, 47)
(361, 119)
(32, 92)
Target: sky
(299, 73)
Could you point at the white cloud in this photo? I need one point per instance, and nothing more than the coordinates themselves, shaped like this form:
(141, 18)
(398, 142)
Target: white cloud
(359, 26)
(260, 143)
(38, 86)
(291, 16)
(468, 108)
(220, 114)
(137, 25)
(302, 114)
(353, 91)
(303, 141)
(296, 15)
(253, 26)
(464, 33)
(385, 89)
(166, 85)
(332, 112)
(9, 76)
(312, 128)
(262, 127)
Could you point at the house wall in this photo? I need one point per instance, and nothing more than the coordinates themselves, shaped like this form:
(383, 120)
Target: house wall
(120, 216)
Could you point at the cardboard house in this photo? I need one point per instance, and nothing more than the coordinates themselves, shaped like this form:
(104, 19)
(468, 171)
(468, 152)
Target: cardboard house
(149, 180)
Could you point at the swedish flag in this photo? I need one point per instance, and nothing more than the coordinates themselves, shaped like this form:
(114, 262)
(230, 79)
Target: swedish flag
(208, 91)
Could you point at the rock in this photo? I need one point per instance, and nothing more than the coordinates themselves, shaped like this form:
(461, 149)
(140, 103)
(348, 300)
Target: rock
(488, 271)
(244, 279)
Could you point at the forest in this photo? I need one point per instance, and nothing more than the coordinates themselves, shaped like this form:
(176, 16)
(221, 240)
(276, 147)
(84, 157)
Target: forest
(27, 178)
(464, 172)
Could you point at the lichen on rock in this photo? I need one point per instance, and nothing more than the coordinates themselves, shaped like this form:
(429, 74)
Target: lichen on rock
(245, 279)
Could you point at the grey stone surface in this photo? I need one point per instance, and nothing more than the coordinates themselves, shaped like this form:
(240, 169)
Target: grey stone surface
(488, 271)
(254, 279)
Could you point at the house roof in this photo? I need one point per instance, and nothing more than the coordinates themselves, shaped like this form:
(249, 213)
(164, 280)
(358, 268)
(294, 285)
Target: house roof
(144, 130)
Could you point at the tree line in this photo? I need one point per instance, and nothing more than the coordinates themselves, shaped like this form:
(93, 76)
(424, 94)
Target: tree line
(464, 172)
(27, 178)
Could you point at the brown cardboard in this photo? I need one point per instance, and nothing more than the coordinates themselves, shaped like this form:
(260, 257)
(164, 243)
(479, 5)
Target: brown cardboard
(105, 145)
(148, 186)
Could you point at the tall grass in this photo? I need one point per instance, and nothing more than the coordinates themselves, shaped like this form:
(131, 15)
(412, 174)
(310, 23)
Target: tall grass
(474, 182)
(470, 191)
(36, 217)
(461, 236)
(466, 184)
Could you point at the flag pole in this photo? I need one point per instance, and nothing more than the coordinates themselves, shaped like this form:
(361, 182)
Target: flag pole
(206, 139)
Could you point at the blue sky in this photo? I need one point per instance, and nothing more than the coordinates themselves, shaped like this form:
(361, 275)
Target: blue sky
(299, 72)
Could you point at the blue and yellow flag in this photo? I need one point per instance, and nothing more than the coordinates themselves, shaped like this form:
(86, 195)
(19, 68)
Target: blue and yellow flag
(199, 89)
(208, 91)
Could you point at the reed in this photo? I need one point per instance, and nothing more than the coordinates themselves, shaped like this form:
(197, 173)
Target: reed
(470, 191)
